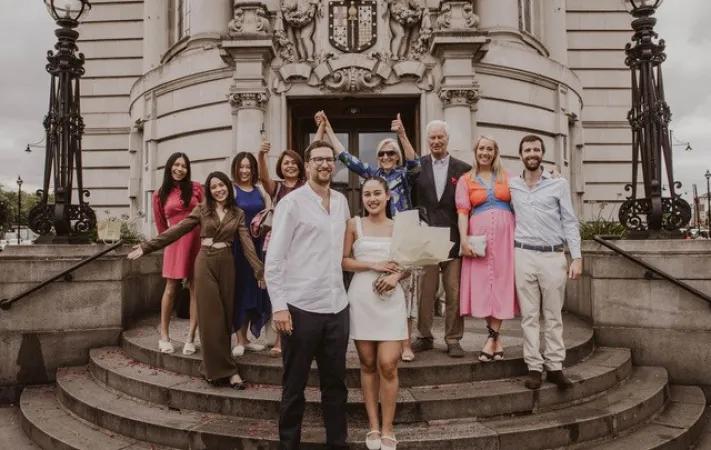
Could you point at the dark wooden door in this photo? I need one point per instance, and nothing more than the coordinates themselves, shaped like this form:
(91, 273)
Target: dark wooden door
(360, 124)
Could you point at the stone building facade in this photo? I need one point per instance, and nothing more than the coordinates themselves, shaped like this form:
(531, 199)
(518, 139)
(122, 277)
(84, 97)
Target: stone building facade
(206, 76)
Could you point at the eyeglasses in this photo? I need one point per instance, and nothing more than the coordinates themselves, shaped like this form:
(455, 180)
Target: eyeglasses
(390, 153)
(318, 160)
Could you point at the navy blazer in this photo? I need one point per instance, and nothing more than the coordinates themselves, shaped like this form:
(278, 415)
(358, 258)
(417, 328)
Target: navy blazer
(442, 212)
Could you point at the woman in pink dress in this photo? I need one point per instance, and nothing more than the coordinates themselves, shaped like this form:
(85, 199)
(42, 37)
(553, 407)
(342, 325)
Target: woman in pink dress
(484, 209)
(174, 201)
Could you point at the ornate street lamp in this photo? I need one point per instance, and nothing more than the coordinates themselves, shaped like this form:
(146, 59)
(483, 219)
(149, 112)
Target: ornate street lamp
(708, 200)
(649, 119)
(19, 207)
(64, 127)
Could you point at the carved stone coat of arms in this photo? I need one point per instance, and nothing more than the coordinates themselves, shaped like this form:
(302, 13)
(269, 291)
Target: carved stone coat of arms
(352, 24)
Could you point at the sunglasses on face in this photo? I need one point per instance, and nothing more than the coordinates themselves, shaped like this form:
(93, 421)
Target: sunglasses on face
(389, 153)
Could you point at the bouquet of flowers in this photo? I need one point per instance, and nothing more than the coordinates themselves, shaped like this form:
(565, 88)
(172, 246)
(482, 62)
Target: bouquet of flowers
(415, 244)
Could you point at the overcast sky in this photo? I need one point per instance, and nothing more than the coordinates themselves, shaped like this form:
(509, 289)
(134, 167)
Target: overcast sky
(29, 32)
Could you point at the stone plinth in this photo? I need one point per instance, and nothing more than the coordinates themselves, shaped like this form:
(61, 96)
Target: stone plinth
(663, 324)
(57, 325)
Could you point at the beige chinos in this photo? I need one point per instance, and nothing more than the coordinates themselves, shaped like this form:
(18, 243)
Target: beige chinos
(540, 285)
(453, 322)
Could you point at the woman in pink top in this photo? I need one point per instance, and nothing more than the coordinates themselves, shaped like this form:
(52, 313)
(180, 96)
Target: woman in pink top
(174, 201)
(484, 209)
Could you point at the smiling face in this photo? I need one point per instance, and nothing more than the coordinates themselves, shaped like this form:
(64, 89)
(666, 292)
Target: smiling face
(532, 154)
(321, 165)
(437, 140)
(289, 168)
(219, 190)
(179, 169)
(485, 153)
(388, 156)
(244, 172)
(375, 197)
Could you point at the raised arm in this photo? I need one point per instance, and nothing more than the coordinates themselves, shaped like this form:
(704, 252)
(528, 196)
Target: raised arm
(330, 136)
(264, 176)
(399, 129)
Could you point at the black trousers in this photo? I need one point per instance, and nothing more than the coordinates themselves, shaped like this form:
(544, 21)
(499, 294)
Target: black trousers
(324, 337)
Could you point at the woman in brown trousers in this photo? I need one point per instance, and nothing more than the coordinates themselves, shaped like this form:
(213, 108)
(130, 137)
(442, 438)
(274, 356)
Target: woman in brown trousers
(220, 223)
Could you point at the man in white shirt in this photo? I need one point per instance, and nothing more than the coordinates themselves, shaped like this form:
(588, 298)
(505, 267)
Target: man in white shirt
(545, 221)
(309, 301)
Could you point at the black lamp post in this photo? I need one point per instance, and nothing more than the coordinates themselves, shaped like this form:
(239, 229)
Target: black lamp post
(649, 119)
(708, 199)
(64, 127)
(19, 207)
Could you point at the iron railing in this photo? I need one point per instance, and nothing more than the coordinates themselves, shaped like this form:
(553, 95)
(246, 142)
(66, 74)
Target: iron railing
(6, 303)
(651, 270)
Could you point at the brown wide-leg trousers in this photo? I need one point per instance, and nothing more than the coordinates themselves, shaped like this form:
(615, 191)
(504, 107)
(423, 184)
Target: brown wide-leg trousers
(215, 292)
(453, 322)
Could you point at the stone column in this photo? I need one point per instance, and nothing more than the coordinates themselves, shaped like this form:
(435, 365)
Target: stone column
(250, 50)
(156, 32)
(209, 18)
(499, 16)
(555, 30)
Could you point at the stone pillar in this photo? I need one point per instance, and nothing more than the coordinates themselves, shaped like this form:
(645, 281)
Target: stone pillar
(499, 16)
(209, 18)
(250, 50)
(457, 44)
(555, 34)
(156, 32)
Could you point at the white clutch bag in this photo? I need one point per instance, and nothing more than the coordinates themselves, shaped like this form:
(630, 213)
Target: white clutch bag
(478, 244)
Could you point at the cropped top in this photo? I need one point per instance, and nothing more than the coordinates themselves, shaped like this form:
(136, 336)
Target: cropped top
(478, 196)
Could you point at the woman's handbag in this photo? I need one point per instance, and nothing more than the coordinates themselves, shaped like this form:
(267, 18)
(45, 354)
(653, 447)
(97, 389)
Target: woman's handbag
(262, 223)
(478, 245)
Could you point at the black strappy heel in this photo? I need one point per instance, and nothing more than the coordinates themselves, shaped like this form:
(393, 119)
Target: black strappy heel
(488, 357)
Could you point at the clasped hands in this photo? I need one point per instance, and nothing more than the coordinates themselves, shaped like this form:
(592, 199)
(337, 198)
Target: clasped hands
(387, 283)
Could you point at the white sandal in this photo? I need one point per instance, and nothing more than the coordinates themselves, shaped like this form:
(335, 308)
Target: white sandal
(165, 346)
(189, 348)
(372, 440)
(391, 446)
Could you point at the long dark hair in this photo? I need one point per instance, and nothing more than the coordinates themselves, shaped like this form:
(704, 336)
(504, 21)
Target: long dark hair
(299, 163)
(237, 160)
(185, 185)
(384, 183)
(210, 200)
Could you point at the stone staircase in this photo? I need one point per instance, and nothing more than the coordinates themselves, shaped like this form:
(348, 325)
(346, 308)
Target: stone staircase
(133, 397)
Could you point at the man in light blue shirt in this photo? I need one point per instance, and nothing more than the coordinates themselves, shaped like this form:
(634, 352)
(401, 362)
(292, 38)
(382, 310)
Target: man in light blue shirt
(545, 222)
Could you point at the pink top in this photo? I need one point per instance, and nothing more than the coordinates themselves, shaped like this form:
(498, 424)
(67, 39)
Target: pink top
(178, 257)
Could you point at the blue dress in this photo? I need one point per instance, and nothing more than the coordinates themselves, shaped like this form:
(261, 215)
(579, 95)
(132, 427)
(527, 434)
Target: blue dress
(251, 303)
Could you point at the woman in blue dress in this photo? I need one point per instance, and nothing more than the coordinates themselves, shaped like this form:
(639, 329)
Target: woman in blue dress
(398, 173)
(252, 306)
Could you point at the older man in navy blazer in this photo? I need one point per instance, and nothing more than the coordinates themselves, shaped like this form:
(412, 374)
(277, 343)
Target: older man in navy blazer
(435, 186)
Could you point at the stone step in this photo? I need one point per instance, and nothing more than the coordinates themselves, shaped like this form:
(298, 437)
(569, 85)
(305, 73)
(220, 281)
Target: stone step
(11, 434)
(704, 442)
(601, 371)
(51, 427)
(627, 405)
(433, 367)
(678, 427)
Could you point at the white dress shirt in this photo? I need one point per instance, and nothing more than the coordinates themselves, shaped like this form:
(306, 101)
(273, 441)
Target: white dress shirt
(439, 170)
(544, 213)
(303, 264)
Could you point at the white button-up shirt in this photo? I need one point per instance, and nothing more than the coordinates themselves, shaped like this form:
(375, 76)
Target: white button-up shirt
(303, 264)
(439, 171)
(544, 213)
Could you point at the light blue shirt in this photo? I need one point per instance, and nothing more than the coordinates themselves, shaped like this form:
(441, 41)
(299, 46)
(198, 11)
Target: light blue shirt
(544, 213)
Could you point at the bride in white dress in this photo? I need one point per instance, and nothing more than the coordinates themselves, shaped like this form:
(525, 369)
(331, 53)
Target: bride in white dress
(377, 310)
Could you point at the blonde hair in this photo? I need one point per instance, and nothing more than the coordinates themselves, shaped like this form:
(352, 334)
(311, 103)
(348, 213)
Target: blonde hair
(496, 167)
(396, 147)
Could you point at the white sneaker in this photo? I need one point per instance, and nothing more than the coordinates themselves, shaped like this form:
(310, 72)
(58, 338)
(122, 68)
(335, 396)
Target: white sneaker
(372, 440)
(238, 351)
(254, 347)
(189, 348)
(165, 346)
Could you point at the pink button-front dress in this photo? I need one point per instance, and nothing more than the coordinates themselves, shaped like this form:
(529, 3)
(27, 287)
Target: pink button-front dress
(487, 283)
(178, 257)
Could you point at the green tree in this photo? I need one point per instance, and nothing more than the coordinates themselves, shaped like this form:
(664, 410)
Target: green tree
(9, 198)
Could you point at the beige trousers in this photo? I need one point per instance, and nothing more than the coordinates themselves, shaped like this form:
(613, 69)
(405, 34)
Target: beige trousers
(453, 322)
(540, 285)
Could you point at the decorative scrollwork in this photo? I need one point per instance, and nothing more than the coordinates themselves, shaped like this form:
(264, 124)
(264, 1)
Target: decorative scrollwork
(353, 79)
(253, 100)
(41, 219)
(676, 213)
(455, 97)
(82, 217)
(631, 213)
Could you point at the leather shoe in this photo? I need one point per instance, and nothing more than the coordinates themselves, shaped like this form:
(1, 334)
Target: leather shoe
(454, 350)
(422, 344)
(533, 379)
(558, 378)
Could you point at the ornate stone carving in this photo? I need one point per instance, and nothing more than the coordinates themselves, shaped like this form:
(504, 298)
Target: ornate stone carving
(353, 72)
(249, 18)
(422, 44)
(457, 15)
(405, 18)
(353, 79)
(285, 47)
(247, 99)
(352, 24)
(298, 20)
(460, 97)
